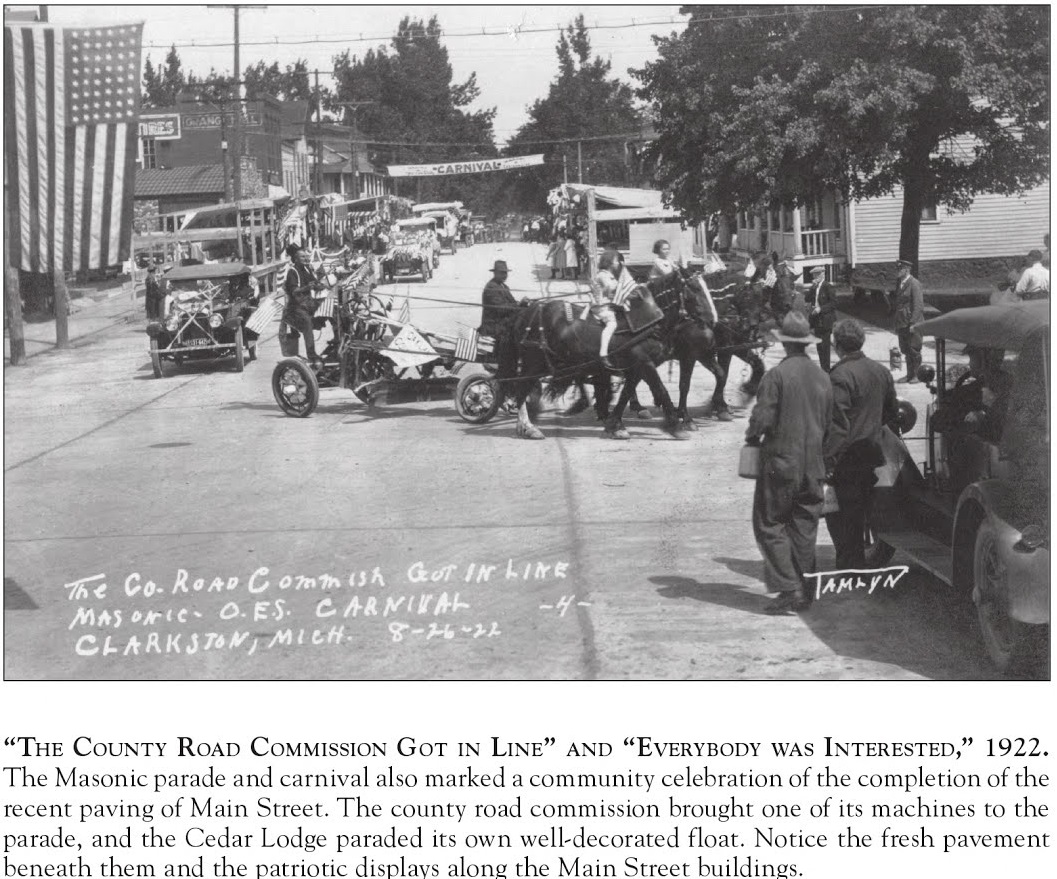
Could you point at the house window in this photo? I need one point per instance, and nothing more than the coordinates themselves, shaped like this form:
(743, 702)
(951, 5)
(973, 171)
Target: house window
(150, 154)
(928, 213)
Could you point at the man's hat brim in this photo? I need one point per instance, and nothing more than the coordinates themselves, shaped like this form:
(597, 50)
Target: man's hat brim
(797, 340)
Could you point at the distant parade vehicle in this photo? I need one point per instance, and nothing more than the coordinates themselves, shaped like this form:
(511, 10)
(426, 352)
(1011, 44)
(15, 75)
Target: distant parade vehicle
(447, 216)
(975, 513)
(425, 228)
(204, 316)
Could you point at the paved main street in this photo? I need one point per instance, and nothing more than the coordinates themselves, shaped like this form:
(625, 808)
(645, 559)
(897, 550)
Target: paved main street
(613, 560)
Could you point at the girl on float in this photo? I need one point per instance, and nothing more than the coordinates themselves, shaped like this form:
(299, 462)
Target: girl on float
(610, 290)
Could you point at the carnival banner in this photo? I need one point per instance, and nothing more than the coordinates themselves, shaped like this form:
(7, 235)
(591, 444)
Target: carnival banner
(478, 166)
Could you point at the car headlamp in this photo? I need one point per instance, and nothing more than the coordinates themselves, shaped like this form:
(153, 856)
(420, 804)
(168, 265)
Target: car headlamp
(215, 320)
(172, 323)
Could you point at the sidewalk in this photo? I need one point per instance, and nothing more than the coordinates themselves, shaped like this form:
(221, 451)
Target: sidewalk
(88, 315)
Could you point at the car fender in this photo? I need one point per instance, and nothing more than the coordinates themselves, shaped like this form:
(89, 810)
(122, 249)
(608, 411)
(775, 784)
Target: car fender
(233, 323)
(155, 328)
(1028, 572)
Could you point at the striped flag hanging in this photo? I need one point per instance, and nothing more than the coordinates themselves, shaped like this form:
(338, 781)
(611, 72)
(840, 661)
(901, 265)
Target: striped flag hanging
(625, 286)
(466, 349)
(405, 311)
(71, 101)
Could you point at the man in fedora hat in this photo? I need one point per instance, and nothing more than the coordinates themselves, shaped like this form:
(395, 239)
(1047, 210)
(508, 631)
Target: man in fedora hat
(790, 422)
(497, 302)
(821, 301)
(908, 305)
(300, 305)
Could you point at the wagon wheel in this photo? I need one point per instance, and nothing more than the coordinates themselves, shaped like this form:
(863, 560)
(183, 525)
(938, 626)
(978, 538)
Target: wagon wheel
(155, 359)
(477, 398)
(295, 387)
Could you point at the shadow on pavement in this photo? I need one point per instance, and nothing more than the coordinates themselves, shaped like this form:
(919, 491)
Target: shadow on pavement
(921, 626)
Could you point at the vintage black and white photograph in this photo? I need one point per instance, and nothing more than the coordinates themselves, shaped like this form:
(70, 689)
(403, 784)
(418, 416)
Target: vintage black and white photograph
(463, 343)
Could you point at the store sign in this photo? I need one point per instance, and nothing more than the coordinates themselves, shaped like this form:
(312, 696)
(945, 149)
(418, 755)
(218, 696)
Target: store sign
(165, 126)
(480, 166)
(204, 121)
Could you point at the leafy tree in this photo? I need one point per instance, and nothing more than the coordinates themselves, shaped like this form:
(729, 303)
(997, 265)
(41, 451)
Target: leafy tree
(760, 106)
(288, 84)
(405, 93)
(584, 101)
(161, 85)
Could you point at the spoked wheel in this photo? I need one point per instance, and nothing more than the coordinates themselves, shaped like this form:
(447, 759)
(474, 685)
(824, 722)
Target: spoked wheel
(295, 387)
(155, 358)
(1014, 647)
(477, 398)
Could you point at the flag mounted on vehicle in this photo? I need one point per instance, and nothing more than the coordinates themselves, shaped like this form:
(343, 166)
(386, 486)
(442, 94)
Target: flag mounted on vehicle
(71, 101)
(466, 349)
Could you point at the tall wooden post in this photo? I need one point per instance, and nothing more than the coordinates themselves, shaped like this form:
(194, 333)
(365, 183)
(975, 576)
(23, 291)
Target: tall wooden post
(12, 295)
(592, 236)
(62, 309)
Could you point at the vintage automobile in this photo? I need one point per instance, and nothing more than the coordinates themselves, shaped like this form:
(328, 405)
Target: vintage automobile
(426, 230)
(407, 255)
(976, 510)
(447, 216)
(205, 311)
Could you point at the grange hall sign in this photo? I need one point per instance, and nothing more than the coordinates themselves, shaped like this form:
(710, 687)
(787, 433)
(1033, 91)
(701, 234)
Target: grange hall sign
(480, 166)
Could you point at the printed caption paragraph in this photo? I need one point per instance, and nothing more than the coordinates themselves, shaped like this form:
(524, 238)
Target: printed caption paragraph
(637, 807)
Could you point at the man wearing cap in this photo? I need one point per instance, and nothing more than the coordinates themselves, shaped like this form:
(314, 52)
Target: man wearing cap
(864, 399)
(790, 423)
(908, 305)
(154, 296)
(821, 300)
(299, 284)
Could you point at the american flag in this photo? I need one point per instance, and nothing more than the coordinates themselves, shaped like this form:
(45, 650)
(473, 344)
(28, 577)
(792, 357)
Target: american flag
(71, 101)
(466, 349)
(625, 285)
(405, 311)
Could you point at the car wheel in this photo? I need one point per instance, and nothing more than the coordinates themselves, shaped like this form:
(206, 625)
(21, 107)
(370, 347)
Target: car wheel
(1014, 647)
(295, 387)
(155, 359)
(477, 398)
(240, 352)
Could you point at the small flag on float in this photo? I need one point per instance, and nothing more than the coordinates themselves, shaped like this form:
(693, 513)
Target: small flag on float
(265, 313)
(466, 349)
(405, 311)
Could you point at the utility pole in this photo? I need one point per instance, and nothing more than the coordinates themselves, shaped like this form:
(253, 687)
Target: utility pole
(565, 168)
(352, 107)
(237, 133)
(579, 161)
(319, 140)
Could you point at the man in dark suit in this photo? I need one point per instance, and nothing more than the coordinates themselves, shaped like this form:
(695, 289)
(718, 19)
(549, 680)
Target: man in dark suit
(300, 305)
(497, 302)
(783, 294)
(864, 399)
(908, 305)
(155, 296)
(792, 417)
(821, 299)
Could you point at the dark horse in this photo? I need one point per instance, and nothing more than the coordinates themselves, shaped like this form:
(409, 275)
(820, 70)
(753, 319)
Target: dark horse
(549, 338)
(712, 338)
(735, 331)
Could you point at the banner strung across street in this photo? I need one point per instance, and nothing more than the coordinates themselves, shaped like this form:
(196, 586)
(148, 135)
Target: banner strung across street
(477, 166)
(71, 101)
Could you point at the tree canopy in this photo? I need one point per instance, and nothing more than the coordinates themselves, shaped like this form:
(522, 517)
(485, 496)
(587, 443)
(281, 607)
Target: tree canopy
(161, 85)
(584, 101)
(408, 107)
(758, 106)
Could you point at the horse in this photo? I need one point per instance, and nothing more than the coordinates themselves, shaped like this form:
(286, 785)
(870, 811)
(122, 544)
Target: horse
(548, 338)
